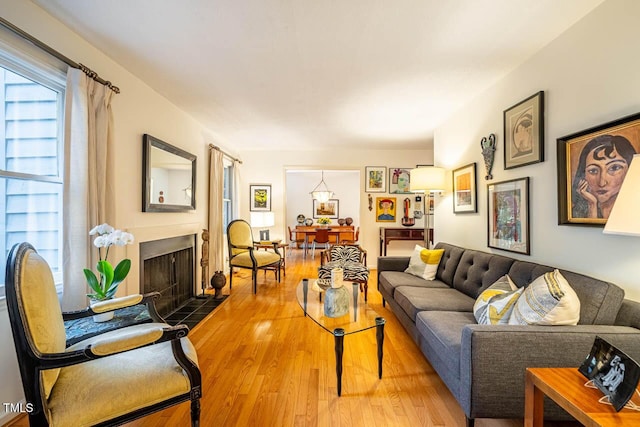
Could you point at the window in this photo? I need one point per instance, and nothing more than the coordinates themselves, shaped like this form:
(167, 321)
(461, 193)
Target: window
(227, 197)
(31, 159)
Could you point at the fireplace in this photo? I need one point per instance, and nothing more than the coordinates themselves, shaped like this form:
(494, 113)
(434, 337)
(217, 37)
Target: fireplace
(168, 266)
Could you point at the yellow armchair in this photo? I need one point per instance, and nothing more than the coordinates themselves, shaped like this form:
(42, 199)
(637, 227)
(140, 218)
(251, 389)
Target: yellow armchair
(107, 379)
(242, 253)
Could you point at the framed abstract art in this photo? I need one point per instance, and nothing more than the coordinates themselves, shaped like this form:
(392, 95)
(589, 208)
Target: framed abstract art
(508, 216)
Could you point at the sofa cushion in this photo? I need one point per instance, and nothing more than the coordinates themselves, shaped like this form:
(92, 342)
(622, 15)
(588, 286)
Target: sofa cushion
(388, 281)
(600, 301)
(548, 300)
(442, 330)
(449, 262)
(495, 304)
(478, 270)
(414, 300)
(424, 262)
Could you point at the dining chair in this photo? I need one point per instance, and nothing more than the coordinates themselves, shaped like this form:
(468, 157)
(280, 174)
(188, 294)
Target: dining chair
(295, 241)
(353, 241)
(113, 375)
(321, 238)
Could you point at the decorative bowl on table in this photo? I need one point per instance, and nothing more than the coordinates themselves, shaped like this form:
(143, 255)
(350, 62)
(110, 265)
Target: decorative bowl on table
(308, 222)
(300, 218)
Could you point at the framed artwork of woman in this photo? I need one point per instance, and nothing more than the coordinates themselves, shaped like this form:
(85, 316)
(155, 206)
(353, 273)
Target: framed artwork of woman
(592, 165)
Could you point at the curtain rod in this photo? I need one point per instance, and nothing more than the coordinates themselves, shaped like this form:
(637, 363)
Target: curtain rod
(51, 51)
(213, 147)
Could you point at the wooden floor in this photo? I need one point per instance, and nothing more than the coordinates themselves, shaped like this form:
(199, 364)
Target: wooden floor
(264, 364)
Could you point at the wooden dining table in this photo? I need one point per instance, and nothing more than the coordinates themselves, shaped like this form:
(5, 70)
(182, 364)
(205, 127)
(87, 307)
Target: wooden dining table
(310, 231)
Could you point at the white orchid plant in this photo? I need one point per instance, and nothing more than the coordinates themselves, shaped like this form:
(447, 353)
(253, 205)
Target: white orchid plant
(106, 286)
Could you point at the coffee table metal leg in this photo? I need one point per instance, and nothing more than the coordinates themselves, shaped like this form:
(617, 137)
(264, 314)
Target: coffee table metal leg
(338, 334)
(380, 338)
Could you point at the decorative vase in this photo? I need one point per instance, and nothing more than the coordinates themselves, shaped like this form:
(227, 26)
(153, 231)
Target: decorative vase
(218, 280)
(348, 220)
(336, 302)
(341, 221)
(308, 222)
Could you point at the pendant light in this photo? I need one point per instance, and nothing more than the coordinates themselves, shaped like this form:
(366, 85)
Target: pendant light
(320, 194)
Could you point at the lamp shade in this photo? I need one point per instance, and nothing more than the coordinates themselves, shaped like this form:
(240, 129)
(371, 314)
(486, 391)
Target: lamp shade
(427, 179)
(322, 193)
(262, 219)
(625, 215)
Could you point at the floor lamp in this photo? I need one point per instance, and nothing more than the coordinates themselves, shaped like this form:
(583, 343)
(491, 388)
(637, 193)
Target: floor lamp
(428, 180)
(624, 218)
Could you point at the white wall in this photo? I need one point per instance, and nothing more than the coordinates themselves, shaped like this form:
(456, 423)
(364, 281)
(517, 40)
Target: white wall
(590, 77)
(136, 110)
(269, 168)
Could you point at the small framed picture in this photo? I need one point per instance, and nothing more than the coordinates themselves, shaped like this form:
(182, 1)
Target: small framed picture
(327, 209)
(386, 209)
(592, 165)
(399, 179)
(524, 132)
(260, 197)
(465, 190)
(508, 216)
(375, 179)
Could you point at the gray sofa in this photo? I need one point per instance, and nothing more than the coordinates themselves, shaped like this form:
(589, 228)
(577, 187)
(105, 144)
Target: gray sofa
(484, 365)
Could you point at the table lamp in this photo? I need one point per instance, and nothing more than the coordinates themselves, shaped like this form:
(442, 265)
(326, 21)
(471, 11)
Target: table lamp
(624, 218)
(262, 220)
(427, 179)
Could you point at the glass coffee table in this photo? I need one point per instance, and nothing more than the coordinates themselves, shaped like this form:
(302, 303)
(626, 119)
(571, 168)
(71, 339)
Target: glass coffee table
(359, 318)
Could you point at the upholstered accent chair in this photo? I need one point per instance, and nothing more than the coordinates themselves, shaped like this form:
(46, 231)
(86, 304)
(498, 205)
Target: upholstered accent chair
(107, 379)
(242, 253)
(352, 260)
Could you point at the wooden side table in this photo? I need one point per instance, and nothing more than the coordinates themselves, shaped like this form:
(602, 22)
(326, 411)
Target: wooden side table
(565, 386)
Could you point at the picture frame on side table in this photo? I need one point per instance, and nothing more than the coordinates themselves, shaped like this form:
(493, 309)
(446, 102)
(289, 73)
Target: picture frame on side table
(260, 197)
(329, 209)
(524, 132)
(508, 215)
(586, 156)
(465, 191)
(375, 179)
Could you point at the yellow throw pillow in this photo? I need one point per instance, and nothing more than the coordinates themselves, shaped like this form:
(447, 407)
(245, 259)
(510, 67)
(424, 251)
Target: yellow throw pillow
(548, 300)
(424, 262)
(495, 304)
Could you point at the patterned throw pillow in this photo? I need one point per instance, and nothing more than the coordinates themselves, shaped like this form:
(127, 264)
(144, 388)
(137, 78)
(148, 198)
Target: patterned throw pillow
(548, 300)
(424, 262)
(495, 304)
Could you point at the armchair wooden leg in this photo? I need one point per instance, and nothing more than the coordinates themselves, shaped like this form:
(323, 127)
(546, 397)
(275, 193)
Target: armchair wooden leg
(195, 413)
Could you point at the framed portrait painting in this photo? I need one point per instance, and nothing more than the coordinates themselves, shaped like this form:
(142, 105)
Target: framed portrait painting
(524, 132)
(399, 179)
(386, 209)
(508, 216)
(328, 209)
(260, 197)
(592, 165)
(375, 179)
(464, 189)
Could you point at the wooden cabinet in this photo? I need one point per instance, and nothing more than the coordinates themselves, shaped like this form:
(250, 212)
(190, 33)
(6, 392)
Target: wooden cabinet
(336, 234)
(390, 234)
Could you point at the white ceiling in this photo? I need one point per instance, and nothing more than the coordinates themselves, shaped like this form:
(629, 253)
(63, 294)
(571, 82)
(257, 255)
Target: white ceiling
(301, 74)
